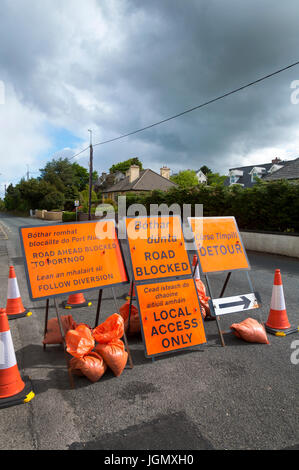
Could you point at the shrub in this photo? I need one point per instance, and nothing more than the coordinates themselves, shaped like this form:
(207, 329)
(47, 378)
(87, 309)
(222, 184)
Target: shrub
(68, 216)
(270, 206)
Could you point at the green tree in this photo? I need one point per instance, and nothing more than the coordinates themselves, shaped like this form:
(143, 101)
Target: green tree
(81, 176)
(215, 178)
(125, 165)
(206, 170)
(59, 173)
(185, 179)
(68, 179)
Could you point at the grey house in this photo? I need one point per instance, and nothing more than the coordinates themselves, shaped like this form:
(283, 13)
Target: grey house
(290, 171)
(246, 175)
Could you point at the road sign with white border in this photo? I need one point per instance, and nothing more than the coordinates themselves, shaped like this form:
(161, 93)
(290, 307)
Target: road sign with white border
(235, 304)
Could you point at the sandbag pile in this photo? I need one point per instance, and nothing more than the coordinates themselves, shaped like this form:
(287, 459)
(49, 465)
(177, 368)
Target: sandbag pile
(53, 334)
(134, 326)
(250, 330)
(203, 298)
(95, 350)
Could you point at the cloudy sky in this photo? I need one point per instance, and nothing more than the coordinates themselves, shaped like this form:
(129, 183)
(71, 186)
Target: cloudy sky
(114, 66)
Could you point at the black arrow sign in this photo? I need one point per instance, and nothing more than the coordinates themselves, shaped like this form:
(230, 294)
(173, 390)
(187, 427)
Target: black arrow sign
(245, 302)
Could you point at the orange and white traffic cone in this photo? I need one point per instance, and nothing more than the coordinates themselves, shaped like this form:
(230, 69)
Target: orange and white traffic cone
(14, 305)
(278, 322)
(76, 301)
(195, 266)
(13, 390)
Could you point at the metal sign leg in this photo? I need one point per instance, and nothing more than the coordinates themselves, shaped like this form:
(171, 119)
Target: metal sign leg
(125, 336)
(217, 317)
(130, 305)
(46, 320)
(98, 307)
(64, 344)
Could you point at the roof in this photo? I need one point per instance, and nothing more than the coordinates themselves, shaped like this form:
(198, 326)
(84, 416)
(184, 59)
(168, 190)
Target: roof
(148, 180)
(289, 171)
(246, 179)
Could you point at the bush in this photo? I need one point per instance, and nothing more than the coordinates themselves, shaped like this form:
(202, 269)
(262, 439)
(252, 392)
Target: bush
(267, 206)
(69, 216)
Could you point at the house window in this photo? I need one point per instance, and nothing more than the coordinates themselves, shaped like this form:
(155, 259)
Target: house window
(233, 179)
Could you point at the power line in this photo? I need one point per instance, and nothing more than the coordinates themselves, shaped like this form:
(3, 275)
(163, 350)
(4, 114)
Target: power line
(206, 103)
(77, 154)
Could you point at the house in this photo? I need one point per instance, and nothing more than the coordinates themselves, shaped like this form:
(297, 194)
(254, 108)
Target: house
(246, 175)
(202, 178)
(289, 171)
(139, 181)
(107, 180)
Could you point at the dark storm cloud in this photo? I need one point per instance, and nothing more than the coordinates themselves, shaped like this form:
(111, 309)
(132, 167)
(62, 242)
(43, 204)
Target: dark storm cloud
(121, 65)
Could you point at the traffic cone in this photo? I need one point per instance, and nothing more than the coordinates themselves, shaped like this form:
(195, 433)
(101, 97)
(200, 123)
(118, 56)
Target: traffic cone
(278, 323)
(76, 301)
(14, 306)
(196, 274)
(13, 390)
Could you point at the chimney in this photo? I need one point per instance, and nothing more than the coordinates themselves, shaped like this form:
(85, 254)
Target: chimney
(133, 173)
(165, 172)
(276, 160)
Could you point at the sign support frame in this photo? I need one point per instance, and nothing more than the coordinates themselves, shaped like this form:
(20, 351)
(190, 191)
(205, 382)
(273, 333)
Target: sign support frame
(228, 276)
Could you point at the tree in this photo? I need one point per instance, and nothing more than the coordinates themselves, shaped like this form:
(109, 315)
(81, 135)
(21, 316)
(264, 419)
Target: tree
(81, 176)
(59, 173)
(206, 170)
(185, 179)
(68, 179)
(124, 166)
(53, 200)
(215, 179)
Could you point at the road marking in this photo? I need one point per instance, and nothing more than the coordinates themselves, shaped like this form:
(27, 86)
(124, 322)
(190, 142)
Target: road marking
(3, 234)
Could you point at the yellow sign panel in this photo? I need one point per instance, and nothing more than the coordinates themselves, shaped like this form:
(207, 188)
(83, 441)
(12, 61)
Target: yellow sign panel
(219, 244)
(170, 315)
(157, 247)
(69, 258)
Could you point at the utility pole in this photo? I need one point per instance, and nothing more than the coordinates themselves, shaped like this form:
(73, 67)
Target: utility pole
(28, 173)
(90, 174)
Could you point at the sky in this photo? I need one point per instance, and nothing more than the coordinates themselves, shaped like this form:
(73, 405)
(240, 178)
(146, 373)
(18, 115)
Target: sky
(114, 66)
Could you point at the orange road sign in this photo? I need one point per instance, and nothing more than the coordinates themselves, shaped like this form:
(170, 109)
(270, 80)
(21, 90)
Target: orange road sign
(170, 316)
(69, 258)
(157, 247)
(219, 244)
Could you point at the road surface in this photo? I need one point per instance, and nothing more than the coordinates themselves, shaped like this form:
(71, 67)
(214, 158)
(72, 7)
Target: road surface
(243, 396)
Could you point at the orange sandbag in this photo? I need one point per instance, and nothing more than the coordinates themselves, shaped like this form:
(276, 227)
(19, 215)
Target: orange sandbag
(134, 318)
(53, 334)
(111, 329)
(203, 298)
(114, 355)
(92, 366)
(79, 342)
(250, 330)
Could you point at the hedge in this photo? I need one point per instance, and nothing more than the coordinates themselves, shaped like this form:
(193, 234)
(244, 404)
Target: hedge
(68, 216)
(268, 206)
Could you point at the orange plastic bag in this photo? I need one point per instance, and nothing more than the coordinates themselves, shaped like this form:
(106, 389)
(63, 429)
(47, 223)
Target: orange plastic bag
(250, 330)
(203, 298)
(134, 318)
(53, 334)
(91, 365)
(114, 355)
(80, 341)
(111, 329)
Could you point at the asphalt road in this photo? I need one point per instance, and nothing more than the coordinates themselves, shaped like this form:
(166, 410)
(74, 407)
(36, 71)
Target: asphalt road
(243, 396)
